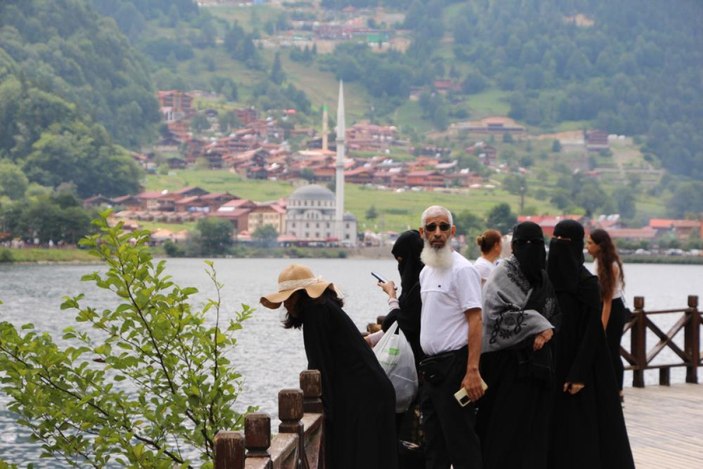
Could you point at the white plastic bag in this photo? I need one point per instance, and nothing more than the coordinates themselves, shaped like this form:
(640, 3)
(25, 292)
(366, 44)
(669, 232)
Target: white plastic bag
(396, 357)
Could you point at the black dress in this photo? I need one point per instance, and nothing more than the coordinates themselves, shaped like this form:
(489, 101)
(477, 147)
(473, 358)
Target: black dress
(358, 398)
(514, 415)
(588, 428)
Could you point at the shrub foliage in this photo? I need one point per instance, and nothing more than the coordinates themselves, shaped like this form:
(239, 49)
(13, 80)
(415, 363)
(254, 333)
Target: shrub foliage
(146, 384)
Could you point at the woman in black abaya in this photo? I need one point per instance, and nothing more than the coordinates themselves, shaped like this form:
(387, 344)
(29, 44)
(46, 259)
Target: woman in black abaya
(357, 396)
(588, 427)
(407, 307)
(520, 314)
(406, 310)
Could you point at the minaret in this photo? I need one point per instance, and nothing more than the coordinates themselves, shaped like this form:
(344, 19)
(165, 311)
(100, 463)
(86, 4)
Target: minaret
(341, 150)
(324, 128)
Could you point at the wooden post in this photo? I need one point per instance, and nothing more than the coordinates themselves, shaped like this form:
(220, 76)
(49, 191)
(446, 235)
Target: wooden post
(229, 450)
(692, 335)
(638, 343)
(290, 411)
(311, 384)
(665, 376)
(257, 435)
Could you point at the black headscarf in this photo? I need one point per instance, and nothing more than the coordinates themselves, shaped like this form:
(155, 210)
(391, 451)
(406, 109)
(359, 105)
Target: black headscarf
(528, 249)
(566, 255)
(408, 247)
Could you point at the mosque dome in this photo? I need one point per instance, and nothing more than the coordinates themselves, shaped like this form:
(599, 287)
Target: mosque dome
(312, 192)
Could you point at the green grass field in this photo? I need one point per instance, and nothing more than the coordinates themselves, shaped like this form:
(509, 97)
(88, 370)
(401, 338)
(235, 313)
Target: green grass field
(46, 255)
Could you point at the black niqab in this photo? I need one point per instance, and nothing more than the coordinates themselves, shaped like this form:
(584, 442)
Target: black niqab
(528, 249)
(566, 255)
(408, 248)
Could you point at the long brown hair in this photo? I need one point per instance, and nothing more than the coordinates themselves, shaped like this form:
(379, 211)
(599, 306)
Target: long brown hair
(607, 255)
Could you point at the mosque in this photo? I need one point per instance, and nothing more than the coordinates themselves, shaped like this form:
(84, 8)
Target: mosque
(315, 214)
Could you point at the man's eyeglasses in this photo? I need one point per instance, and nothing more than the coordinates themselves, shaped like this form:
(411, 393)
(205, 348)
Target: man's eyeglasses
(433, 226)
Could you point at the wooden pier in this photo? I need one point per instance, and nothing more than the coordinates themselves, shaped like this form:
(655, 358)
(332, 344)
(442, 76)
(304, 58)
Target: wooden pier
(665, 425)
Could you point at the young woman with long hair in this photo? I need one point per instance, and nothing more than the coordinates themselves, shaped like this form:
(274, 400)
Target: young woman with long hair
(612, 282)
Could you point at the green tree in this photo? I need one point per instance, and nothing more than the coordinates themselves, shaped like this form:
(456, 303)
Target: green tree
(590, 196)
(501, 218)
(686, 199)
(624, 198)
(228, 121)
(84, 156)
(371, 213)
(265, 236)
(199, 123)
(277, 74)
(13, 182)
(145, 384)
(215, 235)
(467, 223)
(46, 217)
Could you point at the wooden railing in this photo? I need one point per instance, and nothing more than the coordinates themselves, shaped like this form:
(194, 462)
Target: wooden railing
(640, 359)
(299, 443)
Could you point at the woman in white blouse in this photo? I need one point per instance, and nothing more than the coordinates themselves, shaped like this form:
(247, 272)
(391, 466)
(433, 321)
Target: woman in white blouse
(490, 243)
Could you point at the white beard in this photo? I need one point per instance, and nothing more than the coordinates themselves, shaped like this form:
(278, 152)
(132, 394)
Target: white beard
(438, 258)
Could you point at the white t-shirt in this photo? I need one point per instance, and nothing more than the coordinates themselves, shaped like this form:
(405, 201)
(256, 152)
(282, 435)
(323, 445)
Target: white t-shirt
(446, 295)
(484, 267)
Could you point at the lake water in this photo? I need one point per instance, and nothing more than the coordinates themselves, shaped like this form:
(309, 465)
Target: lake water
(268, 357)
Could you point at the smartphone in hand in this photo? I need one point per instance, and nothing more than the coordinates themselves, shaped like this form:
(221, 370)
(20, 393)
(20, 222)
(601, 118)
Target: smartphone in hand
(379, 277)
(462, 397)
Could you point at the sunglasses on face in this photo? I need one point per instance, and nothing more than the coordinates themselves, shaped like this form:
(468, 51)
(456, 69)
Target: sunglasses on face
(433, 226)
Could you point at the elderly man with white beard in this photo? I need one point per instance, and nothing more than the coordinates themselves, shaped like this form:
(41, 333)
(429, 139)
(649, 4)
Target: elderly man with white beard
(450, 336)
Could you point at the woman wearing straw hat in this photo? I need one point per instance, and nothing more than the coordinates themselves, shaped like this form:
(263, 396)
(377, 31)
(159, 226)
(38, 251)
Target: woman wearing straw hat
(358, 398)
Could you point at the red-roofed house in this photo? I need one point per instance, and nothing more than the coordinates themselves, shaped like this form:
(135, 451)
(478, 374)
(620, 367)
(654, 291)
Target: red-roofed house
(645, 233)
(682, 229)
(267, 214)
(548, 222)
(425, 179)
(237, 212)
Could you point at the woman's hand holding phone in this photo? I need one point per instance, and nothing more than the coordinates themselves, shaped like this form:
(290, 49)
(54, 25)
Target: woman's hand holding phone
(386, 285)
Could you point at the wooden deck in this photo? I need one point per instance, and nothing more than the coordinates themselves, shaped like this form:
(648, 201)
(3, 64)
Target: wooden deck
(665, 425)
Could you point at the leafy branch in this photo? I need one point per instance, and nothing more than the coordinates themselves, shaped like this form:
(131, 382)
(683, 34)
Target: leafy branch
(146, 384)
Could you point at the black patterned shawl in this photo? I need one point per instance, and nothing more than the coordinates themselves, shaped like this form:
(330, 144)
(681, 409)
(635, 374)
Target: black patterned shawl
(513, 310)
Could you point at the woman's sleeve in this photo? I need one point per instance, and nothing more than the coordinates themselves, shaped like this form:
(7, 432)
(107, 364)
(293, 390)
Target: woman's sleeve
(390, 318)
(589, 302)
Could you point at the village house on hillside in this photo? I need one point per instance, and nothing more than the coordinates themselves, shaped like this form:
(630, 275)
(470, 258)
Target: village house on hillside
(488, 126)
(596, 140)
(259, 150)
(657, 228)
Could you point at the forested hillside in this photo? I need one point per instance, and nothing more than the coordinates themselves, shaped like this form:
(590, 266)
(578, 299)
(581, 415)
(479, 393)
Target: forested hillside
(72, 96)
(625, 66)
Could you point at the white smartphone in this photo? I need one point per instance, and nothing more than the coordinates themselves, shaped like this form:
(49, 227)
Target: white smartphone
(379, 277)
(462, 397)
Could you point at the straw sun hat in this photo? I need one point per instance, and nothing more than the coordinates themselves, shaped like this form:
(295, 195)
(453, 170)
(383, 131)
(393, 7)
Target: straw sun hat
(293, 278)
